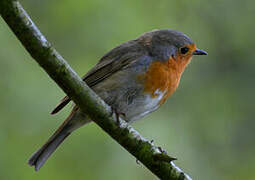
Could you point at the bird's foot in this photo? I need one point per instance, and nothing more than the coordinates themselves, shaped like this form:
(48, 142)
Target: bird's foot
(118, 114)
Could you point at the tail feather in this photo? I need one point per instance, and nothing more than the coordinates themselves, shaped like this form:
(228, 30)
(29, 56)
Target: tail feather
(75, 120)
(39, 157)
(70, 124)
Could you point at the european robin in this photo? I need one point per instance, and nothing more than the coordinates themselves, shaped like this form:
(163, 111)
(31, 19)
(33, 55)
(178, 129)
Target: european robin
(134, 78)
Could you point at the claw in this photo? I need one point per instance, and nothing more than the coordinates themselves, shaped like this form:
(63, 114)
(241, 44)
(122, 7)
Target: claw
(117, 113)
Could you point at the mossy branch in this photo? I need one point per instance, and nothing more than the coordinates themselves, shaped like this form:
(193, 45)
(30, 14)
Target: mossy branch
(57, 68)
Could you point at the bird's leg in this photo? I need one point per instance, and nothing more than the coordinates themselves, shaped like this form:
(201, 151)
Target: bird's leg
(117, 113)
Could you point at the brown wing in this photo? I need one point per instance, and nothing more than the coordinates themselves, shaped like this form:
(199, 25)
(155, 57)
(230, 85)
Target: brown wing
(61, 104)
(117, 59)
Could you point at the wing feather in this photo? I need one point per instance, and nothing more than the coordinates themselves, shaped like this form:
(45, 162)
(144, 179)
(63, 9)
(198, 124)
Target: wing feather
(117, 59)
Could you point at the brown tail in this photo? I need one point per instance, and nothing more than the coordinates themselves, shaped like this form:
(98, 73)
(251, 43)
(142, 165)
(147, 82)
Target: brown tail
(39, 157)
(73, 121)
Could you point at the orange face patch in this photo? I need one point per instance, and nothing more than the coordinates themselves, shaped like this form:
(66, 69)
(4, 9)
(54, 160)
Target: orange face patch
(192, 47)
(164, 77)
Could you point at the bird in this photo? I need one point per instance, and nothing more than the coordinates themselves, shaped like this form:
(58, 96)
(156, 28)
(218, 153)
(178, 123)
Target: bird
(135, 79)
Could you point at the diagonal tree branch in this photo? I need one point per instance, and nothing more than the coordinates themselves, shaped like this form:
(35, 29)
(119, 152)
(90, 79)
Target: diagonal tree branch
(57, 68)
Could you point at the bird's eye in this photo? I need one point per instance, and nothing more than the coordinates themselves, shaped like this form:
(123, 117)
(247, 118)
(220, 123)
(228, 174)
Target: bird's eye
(184, 50)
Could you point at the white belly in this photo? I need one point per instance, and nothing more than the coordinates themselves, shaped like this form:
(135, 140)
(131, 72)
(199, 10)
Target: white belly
(144, 106)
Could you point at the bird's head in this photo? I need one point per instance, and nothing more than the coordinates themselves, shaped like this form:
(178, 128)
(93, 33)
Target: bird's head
(166, 44)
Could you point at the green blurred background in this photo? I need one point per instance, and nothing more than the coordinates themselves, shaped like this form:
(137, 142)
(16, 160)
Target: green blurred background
(208, 124)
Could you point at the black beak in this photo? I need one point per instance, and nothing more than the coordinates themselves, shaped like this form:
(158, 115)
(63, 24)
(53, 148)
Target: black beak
(199, 52)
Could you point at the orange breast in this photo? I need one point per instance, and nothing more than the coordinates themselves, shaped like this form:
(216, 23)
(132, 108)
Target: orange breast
(163, 77)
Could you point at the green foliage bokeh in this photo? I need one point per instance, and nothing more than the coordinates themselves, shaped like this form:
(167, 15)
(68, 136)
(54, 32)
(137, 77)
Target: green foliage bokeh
(208, 124)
